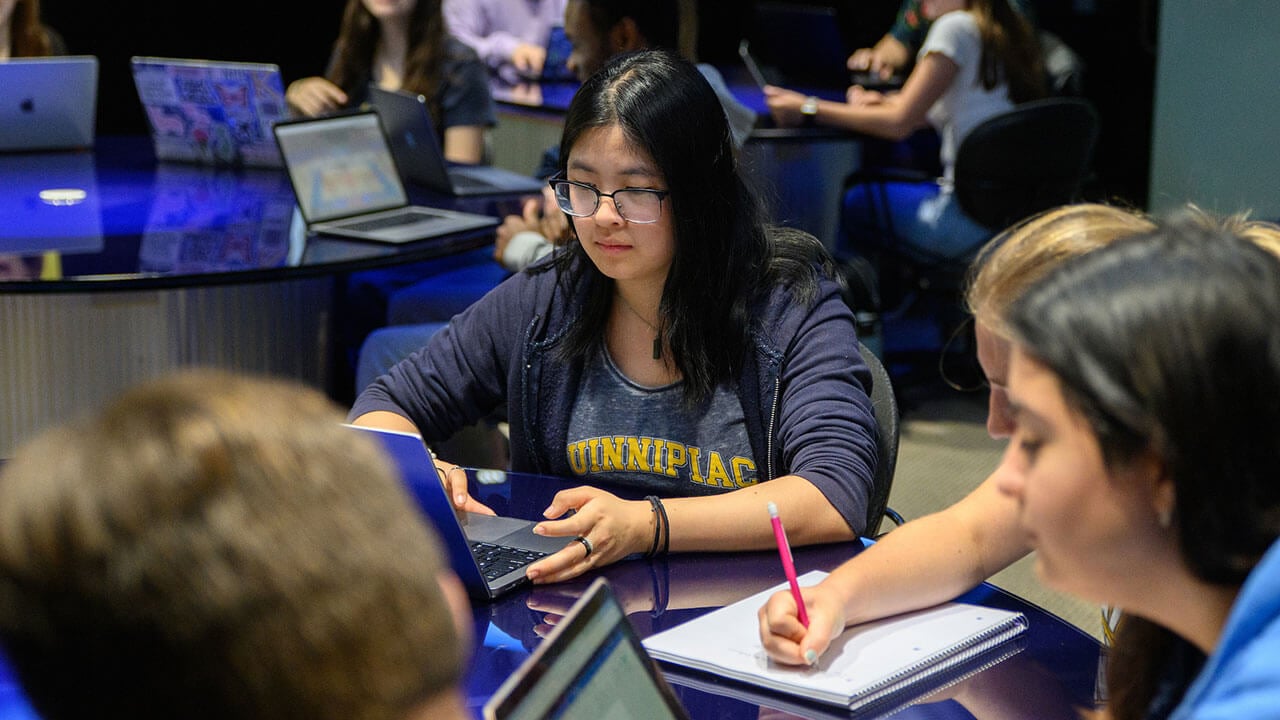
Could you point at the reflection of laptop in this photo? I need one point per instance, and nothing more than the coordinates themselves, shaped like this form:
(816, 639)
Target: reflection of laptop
(802, 43)
(48, 103)
(591, 665)
(488, 553)
(205, 219)
(204, 111)
(50, 202)
(419, 156)
(347, 184)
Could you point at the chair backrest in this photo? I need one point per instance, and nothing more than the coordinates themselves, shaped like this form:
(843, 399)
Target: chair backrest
(1031, 158)
(884, 404)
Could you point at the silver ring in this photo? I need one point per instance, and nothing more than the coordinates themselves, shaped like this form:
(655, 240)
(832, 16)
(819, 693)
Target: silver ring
(453, 467)
(586, 544)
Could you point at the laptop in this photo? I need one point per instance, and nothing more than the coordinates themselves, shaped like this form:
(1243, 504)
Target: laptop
(347, 183)
(802, 43)
(591, 665)
(418, 154)
(48, 103)
(211, 112)
(488, 553)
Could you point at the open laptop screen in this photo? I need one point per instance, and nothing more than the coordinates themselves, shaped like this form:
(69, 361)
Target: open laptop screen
(591, 666)
(340, 166)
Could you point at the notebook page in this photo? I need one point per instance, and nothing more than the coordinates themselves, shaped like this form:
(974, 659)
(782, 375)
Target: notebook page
(863, 664)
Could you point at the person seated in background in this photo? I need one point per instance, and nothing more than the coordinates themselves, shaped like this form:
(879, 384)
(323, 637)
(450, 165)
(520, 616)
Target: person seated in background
(896, 50)
(217, 546)
(979, 59)
(598, 30)
(403, 45)
(22, 34)
(937, 557)
(510, 36)
(1144, 381)
(678, 345)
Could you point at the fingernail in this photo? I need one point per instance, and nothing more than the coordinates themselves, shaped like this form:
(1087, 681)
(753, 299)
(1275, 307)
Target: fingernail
(811, 656)
(538, 530)
(459, 498)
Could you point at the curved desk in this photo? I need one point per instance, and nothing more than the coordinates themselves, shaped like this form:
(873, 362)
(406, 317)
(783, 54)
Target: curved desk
(1053, 674)
(114, 269)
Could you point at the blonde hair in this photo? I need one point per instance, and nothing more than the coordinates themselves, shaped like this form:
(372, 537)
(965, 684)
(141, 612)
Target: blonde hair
(212, 546)
(1016, 258)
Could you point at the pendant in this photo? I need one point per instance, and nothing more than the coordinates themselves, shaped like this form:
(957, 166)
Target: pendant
(657, 348)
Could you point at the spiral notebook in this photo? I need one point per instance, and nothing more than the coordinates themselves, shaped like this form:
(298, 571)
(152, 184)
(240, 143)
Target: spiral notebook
(864, 666)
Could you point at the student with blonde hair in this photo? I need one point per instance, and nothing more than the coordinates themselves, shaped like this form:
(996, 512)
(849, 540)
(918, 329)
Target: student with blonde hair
(937, 557)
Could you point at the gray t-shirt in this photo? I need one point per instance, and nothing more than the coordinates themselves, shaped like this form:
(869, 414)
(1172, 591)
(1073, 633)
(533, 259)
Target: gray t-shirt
(648, 438)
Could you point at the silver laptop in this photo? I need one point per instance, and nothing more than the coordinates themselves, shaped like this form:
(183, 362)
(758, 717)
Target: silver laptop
(488, 553)
(591, 665)
(211, 112)
(48, 103)
(418, 154)
(347, 183)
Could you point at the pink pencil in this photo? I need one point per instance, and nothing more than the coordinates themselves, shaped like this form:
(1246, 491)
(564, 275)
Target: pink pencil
(788, 565)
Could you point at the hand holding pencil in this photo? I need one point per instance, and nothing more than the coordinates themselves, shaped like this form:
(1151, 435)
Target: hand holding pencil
(797, 624)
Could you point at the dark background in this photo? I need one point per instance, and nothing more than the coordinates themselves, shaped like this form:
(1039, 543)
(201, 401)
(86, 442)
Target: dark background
(1115, 39)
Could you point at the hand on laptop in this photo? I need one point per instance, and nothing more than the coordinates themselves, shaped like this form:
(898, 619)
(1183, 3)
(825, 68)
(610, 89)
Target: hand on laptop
(611, 528)
(454, 479)
(313, 96)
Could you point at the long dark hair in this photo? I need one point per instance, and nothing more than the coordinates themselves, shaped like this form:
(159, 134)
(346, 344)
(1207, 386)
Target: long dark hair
(1010, 50)
(27, 36)
(423, 68)
(725, 256)
(1169, 343)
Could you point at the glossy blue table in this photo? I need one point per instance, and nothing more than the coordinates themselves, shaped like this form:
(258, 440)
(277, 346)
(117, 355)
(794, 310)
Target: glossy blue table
(1052, 674)
(115, 268)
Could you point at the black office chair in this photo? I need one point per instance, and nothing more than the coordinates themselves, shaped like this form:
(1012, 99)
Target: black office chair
(1031, 158)
(884, 404)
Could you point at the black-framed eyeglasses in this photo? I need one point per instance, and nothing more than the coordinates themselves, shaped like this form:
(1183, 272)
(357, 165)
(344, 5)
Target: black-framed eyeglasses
(636, 205)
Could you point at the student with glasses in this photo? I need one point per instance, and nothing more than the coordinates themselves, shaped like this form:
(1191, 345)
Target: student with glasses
(676, 344)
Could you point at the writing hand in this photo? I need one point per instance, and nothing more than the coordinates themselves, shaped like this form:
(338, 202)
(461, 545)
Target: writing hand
(613, 527)
(786, 639)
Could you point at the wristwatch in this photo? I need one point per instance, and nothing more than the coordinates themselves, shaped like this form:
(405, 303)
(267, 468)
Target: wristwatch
(809, 109)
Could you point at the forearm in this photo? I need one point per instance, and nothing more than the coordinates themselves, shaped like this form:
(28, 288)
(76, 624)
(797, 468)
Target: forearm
(932, 559)
(739, 520)
(887, 120)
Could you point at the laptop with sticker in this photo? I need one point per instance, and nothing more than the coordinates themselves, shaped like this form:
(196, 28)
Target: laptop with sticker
(348, 185)
(211, 112)
(488, 553)
(418, 154)
(48, 103)
(591, 665)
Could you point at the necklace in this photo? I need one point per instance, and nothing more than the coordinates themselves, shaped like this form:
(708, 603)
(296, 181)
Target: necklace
(657, 339)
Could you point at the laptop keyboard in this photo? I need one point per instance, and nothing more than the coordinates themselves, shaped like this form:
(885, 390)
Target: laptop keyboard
(498, 560)
(390, 221)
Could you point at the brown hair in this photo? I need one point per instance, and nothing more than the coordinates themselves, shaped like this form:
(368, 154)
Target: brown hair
(1010, 50)
(28, 37)
(214, 546)
(423, 67)
(1013, 260)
